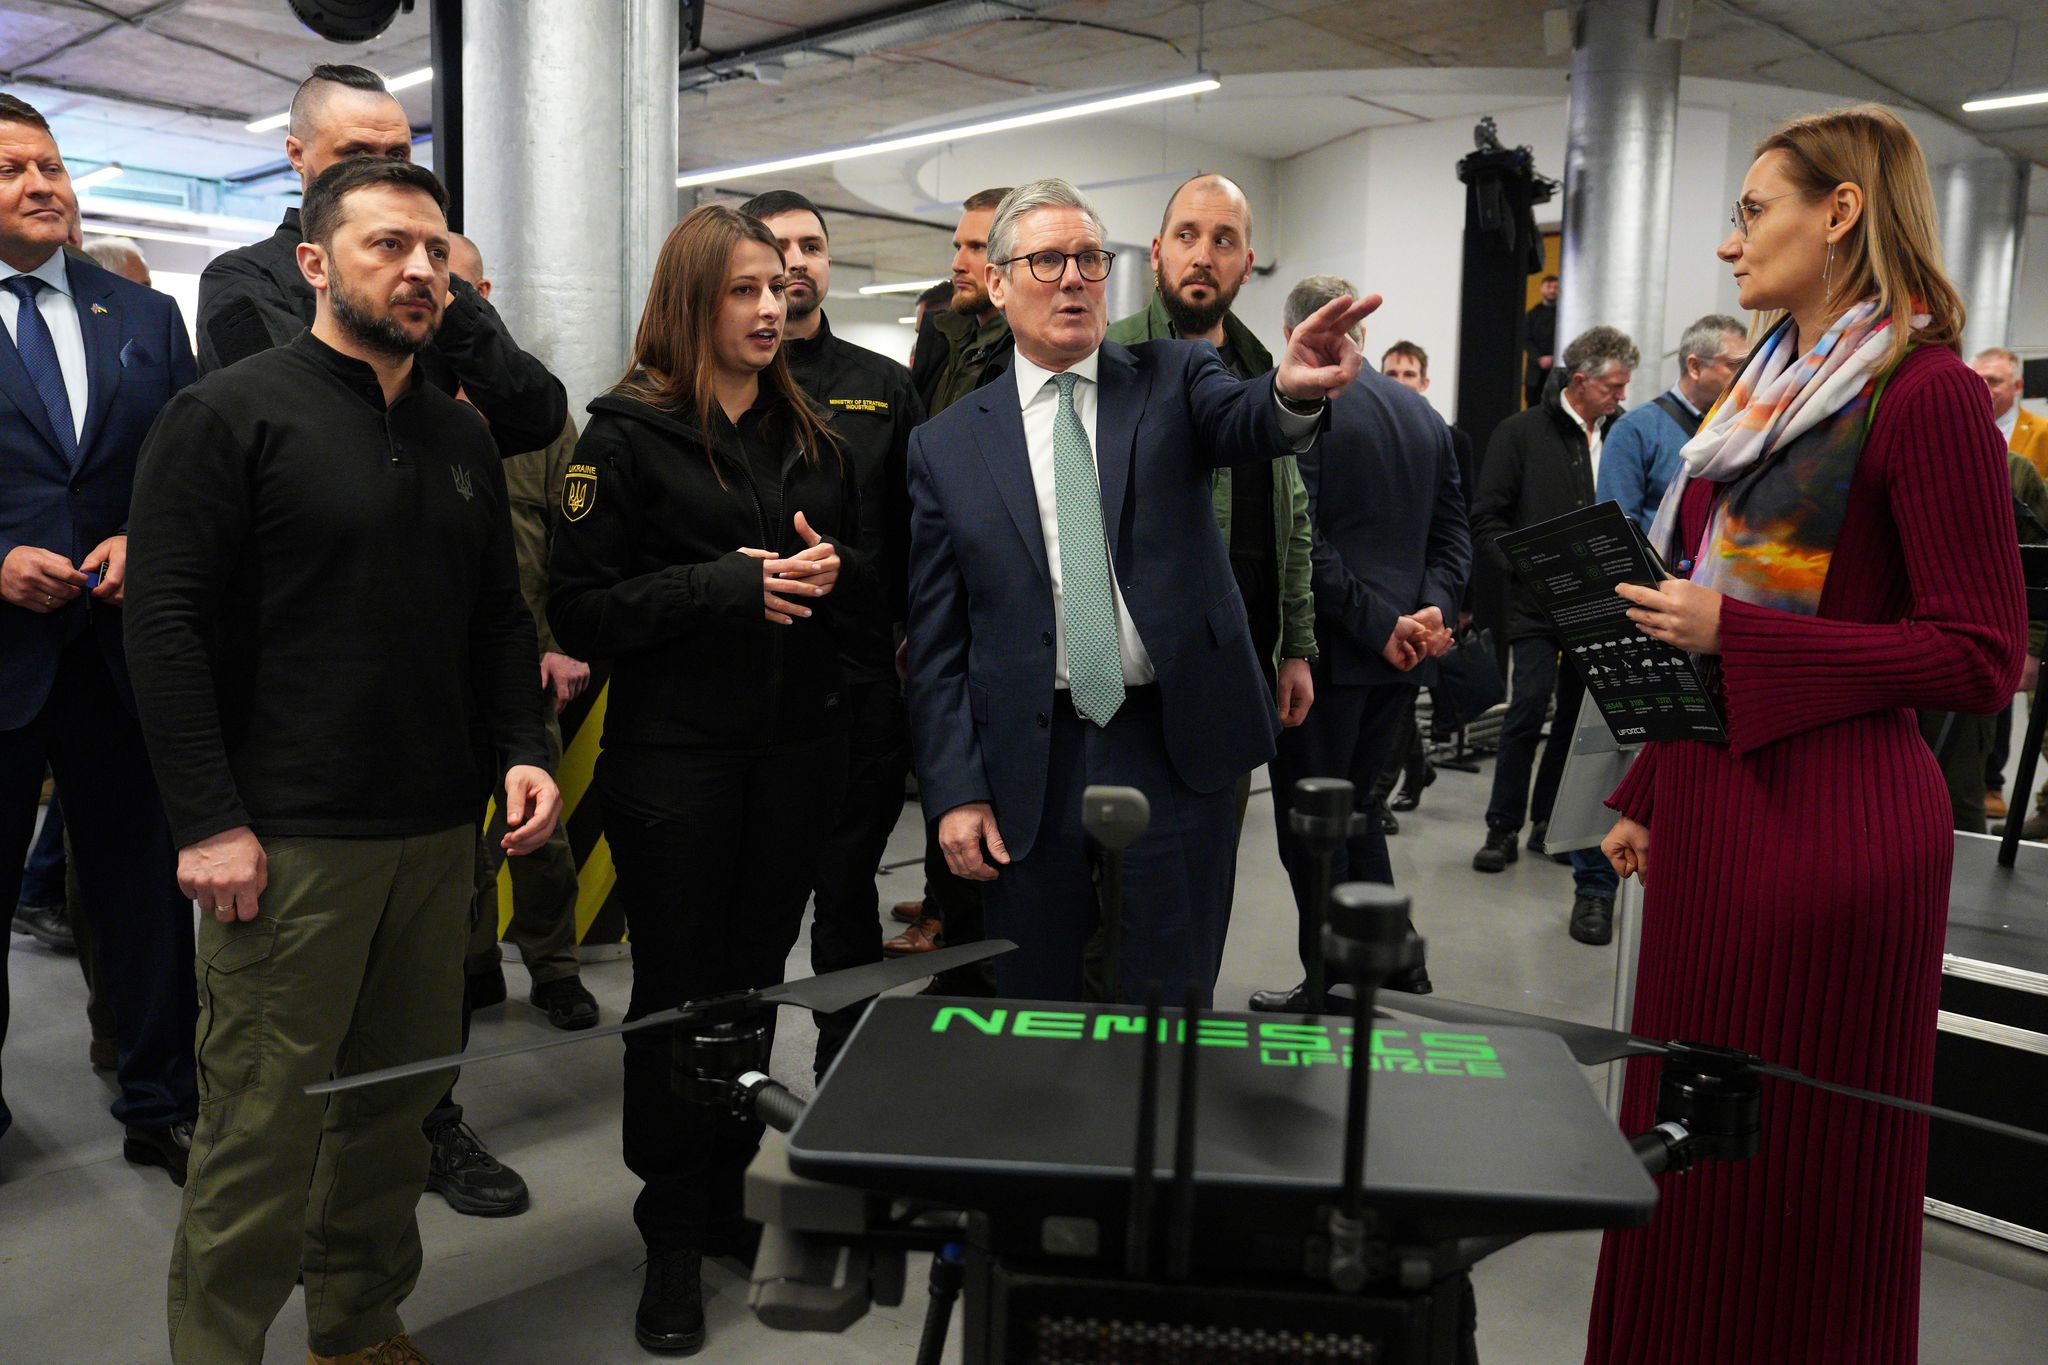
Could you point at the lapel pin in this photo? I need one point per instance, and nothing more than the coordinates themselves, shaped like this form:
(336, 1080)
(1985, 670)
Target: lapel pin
(99, 309)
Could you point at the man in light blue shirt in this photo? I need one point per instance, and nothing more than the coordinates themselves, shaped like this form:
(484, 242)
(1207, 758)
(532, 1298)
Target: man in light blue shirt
(1642, 449)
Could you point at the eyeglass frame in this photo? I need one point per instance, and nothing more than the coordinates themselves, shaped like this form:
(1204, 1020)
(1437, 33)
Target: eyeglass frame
(1030, 258)
(1741, 220)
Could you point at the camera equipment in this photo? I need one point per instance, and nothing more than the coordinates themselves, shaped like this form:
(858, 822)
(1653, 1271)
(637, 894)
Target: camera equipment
(1116, 818)
(349, 21)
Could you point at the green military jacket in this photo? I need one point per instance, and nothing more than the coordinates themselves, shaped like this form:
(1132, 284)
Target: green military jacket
(533, 487)
(1292, 537)
(971, 346)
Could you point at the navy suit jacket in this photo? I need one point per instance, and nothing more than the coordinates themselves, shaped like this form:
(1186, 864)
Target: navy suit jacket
(137, 355)
(981, 608)
(1390, 532)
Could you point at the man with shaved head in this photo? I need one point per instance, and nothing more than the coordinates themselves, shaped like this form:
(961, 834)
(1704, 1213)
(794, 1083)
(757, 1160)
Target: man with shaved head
(1200, 259)
(255, 298)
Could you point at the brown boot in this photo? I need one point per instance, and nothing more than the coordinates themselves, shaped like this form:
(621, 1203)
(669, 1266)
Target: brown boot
(397, 1350)
(907, 912)
(1994, 805)
(921, 937)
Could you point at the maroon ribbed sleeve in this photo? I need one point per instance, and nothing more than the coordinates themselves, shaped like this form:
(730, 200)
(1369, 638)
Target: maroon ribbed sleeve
(1963, 639)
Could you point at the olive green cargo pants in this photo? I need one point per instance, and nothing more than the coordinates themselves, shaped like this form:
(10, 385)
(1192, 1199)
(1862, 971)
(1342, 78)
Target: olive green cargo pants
(354, 963)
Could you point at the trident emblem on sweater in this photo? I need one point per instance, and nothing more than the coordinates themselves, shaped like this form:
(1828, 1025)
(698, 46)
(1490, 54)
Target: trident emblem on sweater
(462, 485)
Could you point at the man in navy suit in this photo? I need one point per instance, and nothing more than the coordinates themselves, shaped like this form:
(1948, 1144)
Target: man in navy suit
(1392, 555)
(1073, 618)
(87, 360)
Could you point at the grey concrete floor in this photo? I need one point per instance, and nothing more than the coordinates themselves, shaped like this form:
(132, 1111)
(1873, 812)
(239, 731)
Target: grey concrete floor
(84, 1236)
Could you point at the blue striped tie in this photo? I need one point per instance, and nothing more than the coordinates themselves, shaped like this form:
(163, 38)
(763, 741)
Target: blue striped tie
(39, 358)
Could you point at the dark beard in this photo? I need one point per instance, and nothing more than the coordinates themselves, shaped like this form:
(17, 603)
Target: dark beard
(380, 335)
(793, 311)
(1191, 320)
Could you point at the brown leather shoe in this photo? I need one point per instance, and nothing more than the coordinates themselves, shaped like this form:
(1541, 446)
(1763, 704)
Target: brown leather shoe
(910, 912)
(397, 1350)
(921, 937)
(1994, 805)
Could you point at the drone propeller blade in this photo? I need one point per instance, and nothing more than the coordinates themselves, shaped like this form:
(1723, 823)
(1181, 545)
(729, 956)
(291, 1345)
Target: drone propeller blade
(1589, 1044)
(489, 1054)
(837, 990)
(1786, 1073)
(832, 991)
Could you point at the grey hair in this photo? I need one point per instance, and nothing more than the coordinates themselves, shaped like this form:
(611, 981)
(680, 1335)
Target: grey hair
(1702, 340)
(109, 251)
(1313, 293)
(1594, 349)
(1039, 194)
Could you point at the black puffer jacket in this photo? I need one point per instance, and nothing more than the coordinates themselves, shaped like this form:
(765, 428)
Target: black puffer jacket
(1537, 467)
(646, 572)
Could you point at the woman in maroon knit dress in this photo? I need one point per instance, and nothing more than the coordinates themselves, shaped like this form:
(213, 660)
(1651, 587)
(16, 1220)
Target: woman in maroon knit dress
(1845, 521)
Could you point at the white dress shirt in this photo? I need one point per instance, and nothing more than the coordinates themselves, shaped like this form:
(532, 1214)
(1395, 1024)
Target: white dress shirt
(1593, 435)
(60, 315)
(1039, 397)
(2010, 420)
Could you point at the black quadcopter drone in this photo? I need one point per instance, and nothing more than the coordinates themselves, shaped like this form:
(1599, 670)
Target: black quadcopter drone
(1333, 1177)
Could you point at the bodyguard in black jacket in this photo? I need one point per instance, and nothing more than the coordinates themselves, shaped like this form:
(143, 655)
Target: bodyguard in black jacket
(255, 298)
(872, 408)
(703, 551)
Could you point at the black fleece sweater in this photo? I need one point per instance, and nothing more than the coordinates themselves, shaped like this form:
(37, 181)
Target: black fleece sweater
(322, 600)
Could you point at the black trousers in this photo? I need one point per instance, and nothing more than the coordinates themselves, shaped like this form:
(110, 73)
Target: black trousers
(1349, 733)
(127, 872)
(716, 855)
(1538, 677)
(845, 920)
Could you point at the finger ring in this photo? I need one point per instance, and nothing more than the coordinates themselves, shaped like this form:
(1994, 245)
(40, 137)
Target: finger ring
(223, 909)
(49, 599)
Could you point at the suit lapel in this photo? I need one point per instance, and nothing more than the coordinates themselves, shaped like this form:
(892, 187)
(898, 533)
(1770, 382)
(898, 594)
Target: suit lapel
(1008, 459)
(20, 390)
(1116, 429)
(102, 332)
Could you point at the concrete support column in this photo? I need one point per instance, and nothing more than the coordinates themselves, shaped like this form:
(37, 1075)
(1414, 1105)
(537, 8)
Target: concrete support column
(570, 167)
(1623, 131)
(1983, 228)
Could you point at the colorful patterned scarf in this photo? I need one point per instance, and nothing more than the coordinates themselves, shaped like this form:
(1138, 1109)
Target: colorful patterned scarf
(1785, 438)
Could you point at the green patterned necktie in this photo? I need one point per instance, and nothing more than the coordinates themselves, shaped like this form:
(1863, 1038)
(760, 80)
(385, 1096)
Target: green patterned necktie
(1095, 669)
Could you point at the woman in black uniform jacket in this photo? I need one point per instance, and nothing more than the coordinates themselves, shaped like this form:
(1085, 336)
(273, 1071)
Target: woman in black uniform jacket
(697, 553)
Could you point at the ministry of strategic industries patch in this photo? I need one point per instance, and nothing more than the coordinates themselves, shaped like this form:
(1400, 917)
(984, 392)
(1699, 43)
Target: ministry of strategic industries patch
(579, 491)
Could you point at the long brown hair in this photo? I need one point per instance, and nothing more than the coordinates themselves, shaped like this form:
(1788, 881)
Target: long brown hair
(674, 358)
(1893, 253)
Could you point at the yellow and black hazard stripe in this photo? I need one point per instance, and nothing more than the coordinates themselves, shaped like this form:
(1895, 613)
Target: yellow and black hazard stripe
(599, 920)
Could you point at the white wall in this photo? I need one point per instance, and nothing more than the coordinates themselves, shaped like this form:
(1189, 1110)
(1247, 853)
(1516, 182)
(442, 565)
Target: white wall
(1385, 209)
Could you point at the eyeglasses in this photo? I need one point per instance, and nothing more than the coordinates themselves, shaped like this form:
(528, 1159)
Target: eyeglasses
(1746, 211)
(1049, 267)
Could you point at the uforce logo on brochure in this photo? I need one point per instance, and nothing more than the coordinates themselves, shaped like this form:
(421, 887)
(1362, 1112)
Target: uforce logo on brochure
(1277, 1043)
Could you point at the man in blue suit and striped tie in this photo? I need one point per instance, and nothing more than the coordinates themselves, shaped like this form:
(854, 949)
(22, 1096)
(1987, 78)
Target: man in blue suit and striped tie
(87, 360)
(1073, 618)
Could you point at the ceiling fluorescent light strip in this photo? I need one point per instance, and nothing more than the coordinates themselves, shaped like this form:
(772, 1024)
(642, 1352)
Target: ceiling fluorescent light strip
(2004, 102)
(1151, 94)
(98, 229)
(247, 228)
(394, 85)
(902, 287)
(99, 175)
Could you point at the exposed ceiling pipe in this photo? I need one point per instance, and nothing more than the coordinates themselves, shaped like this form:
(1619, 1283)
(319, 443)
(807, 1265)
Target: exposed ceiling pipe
(847, 39)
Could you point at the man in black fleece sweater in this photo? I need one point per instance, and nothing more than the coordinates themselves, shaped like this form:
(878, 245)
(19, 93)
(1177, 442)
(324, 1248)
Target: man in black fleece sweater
(331, 590)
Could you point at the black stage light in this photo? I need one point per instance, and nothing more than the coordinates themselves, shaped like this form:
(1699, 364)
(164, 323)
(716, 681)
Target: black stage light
(348, 21)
